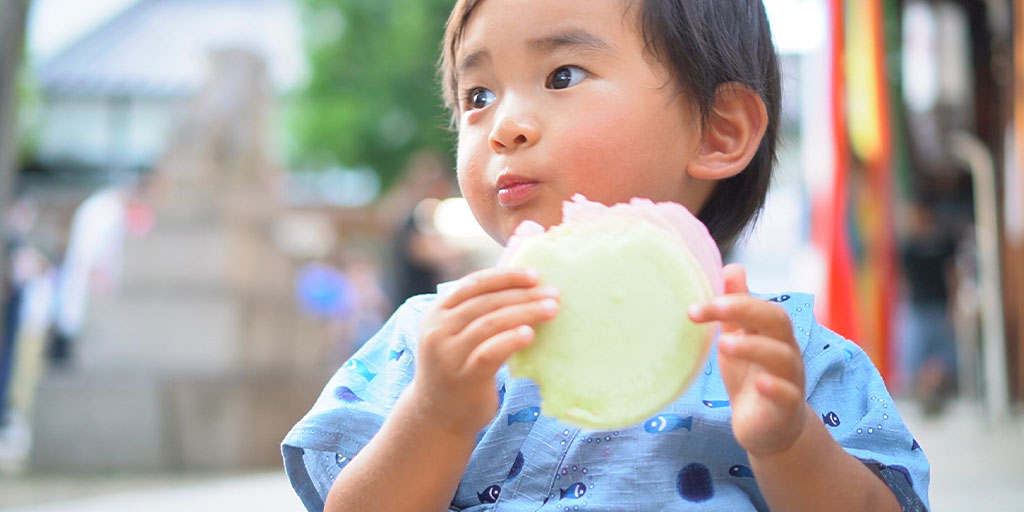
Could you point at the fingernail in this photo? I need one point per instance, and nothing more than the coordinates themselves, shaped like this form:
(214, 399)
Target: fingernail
(550, 291)
(525, 331)
(695, 310)
(549, 305)
(728, 342)
(532, 273)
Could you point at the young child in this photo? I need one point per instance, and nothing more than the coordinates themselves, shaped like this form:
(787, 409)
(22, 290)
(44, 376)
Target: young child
(663, 99)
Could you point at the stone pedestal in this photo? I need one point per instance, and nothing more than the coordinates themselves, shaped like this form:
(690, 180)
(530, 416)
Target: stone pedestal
(86, 422)
(201, 359)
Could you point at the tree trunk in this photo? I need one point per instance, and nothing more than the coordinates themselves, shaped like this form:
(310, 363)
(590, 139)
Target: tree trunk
(12, 37)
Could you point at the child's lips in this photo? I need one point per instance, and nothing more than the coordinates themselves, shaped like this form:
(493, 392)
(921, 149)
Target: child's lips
(514, 191)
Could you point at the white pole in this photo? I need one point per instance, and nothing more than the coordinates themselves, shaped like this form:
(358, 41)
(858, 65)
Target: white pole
(972, 152)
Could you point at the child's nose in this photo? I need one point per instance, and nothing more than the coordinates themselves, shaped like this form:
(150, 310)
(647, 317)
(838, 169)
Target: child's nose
(513, 131)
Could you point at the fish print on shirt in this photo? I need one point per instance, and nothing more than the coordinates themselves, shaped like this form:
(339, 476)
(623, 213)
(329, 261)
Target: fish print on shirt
(573, 492)
(527, 415)
(345, 394)
(831, 419)
(490, 494)
(357, 367)
(667, 423)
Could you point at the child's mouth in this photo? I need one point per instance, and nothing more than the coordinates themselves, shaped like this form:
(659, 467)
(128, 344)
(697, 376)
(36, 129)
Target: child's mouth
(513, 191)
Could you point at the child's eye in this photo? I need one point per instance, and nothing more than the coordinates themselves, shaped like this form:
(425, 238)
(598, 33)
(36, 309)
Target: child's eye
(477, 98)
(565, 77)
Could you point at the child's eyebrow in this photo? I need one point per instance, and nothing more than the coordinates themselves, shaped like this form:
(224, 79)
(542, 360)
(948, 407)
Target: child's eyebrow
(572, 39)
(471, 61)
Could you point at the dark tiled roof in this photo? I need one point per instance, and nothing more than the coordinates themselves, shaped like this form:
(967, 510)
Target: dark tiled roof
(160, 47)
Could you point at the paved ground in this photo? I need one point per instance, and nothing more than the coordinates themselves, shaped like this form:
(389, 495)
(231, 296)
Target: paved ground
(976, 466)
(263, 492)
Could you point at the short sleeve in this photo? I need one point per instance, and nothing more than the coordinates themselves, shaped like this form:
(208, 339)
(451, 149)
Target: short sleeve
(352, 407)
(848, 393)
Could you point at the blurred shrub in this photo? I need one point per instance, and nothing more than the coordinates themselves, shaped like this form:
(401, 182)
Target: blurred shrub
(373, 97)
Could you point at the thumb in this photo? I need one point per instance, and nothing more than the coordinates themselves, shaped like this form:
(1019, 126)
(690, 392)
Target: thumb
(735, 283)
(735, 279)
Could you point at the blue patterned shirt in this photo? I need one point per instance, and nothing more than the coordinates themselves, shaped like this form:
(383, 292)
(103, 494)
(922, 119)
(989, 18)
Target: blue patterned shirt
(683, 458)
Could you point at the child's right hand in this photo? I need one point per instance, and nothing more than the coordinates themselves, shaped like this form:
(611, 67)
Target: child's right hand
(467, 336)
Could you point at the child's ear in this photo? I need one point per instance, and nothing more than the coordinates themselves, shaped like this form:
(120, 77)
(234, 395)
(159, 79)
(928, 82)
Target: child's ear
(732, 135)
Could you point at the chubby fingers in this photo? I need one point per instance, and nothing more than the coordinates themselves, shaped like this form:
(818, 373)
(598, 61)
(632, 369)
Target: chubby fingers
(499, 313)
(781, 393)
(746, 313)
(781, 376)
(488, 316)
(778, 359)
(735, 278)
(469, 314)
(487, 281)
(487, 357)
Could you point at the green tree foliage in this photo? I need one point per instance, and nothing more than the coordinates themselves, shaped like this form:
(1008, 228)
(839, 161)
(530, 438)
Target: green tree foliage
(373, 97)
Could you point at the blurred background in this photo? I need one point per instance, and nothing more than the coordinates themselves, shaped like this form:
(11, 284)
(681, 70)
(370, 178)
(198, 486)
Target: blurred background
(208, 205)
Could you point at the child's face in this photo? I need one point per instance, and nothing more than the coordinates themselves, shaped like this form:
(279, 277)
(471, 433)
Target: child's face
(558, 98)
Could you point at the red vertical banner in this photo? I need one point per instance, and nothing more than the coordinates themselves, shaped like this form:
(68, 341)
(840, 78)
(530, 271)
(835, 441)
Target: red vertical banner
(856, 212)
(870, 136)
(831, 226)
(882, 172)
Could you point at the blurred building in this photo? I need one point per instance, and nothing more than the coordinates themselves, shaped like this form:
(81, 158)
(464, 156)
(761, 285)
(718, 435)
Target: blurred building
(200, 356)
(109, 99)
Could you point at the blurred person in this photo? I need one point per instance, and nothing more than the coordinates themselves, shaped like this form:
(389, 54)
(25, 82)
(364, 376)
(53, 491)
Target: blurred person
(10, 298)
(18, 223)
(422, 257)
(93, 256)
(326, 294)
(348, 299)
(372, 306)
(929, 351)
(426, 175)
(29, 315)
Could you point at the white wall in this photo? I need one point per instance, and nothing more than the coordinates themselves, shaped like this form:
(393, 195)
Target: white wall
(100, 133)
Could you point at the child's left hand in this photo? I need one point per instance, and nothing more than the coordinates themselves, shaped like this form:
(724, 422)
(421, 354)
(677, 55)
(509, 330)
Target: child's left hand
(761, 365)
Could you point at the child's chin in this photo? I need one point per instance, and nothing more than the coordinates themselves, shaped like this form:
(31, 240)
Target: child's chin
(545, 218)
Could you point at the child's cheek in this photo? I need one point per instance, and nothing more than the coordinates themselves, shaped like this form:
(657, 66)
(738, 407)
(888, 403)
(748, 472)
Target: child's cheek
(473, 180)
(599, 159)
